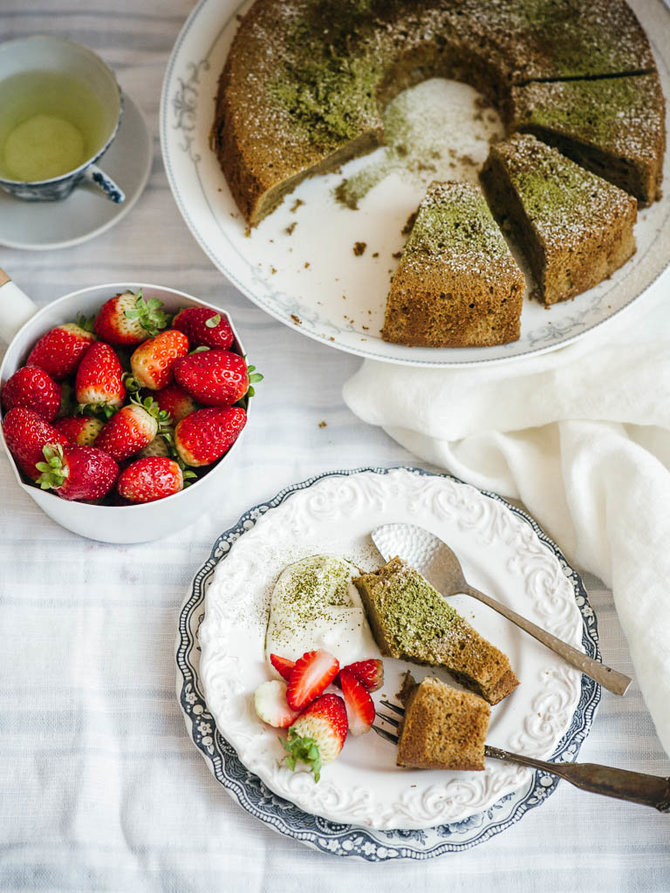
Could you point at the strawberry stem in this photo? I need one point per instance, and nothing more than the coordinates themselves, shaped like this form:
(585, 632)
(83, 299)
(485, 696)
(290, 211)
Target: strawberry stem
(306, 750)
(53, 474)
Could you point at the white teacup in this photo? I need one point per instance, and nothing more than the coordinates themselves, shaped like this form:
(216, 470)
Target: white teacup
(64, 62)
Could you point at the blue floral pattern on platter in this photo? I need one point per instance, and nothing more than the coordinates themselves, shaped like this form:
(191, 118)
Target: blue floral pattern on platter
(348, 840)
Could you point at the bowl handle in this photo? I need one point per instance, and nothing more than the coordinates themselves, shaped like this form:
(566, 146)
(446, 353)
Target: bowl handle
(16, 308)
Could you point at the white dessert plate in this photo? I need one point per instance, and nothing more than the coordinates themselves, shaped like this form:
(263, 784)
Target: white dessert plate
(86, 213)
(299, 264)
(502, 550)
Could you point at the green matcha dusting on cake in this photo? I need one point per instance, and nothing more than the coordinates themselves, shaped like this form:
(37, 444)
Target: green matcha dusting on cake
(326, 82)
(454, 221)
(618, 113)
(561, 198)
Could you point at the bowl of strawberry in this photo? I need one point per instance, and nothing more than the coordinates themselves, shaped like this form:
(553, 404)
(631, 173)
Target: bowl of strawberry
(120, 406)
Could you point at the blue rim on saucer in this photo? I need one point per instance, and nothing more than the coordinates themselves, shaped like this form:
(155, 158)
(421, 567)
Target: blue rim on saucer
(348, 840)
(85, 213)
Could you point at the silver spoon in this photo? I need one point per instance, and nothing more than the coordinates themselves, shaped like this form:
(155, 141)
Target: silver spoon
(433, 558)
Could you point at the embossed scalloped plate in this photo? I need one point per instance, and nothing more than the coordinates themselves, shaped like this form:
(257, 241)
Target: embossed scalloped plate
(393, 812)
(301, 277)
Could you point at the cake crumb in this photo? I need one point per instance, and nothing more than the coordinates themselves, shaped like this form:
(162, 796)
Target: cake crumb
(273, 270)
(296, 319)
(296, 205)
(289, 229)
(375, 254)
(359, 248)
(322, 424)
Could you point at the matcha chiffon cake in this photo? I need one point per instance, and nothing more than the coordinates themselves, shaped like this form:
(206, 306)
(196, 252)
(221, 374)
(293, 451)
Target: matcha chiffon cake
(443, 728)
(457, 284)
(575, 228)
(411, 621)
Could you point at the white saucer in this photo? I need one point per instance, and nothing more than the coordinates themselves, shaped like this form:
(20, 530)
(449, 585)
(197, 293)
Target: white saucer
(86, 212)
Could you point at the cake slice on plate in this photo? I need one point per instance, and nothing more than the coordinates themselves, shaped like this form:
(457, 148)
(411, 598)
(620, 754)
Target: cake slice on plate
(411, 621)
(575, 228)
(457, 284)
(615, 126)
(443, 728)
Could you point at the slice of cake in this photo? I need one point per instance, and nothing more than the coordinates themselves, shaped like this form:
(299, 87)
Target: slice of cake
(457, 284)
(615, 127)
(410, 620)
(442, 728)
(575, 228)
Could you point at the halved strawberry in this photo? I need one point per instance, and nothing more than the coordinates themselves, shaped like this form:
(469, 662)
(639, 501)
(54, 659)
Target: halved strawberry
(370, 673)
(282, 665)
(360, 709)
(317, 735)
(311, 674)
(271, 706)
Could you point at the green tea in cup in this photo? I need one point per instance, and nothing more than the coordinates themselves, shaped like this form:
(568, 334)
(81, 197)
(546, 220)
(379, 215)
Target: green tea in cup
(50, 123)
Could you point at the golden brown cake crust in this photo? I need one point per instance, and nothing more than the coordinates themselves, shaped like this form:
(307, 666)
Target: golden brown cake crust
(443, 728)
(411, 621)
(457, 283)
(575, 228)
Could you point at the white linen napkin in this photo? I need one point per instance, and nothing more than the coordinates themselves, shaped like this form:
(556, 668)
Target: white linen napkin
(581, 436)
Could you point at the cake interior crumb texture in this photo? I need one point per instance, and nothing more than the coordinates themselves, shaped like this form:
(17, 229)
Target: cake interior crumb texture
(575, 228)
(443, 728)
(457, 283)
(411, 621)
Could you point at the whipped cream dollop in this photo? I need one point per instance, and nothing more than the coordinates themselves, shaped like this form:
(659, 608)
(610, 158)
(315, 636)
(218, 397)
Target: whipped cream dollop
(315, 605)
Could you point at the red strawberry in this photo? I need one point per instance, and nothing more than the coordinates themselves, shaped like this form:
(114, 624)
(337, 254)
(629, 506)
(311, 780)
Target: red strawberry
(60, 350)
(175, 401)
(77, 472)
(146, 480)
(311, 674)
(128, 318)
(214, 377)
(99, 381)
(204, 327)
(26, 435)
(370, 673)
(152, 362)
(80, 429)
(270, 704)
(282, 665)
(130, 429)
(360, 709)
(33, 388)
(206, 434)
(317, 735)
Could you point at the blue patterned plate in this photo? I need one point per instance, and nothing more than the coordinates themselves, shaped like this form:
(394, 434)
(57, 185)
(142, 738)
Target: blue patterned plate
(341, 839)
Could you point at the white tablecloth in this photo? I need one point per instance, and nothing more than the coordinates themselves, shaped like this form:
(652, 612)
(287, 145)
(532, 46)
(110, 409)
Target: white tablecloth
(100, 786)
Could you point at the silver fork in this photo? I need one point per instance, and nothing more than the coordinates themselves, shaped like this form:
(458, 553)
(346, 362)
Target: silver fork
(637, 787)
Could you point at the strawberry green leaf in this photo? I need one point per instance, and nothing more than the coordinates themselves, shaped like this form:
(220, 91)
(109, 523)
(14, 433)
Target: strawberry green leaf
(213, 321)
(306, 750)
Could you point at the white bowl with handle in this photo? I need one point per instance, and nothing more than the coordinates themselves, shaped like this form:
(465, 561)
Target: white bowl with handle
(21, 325)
